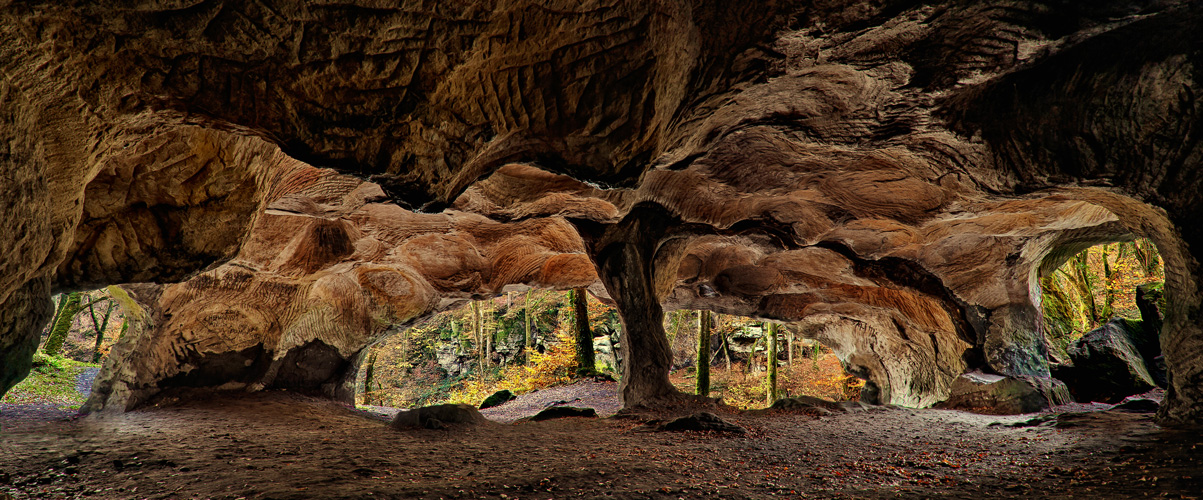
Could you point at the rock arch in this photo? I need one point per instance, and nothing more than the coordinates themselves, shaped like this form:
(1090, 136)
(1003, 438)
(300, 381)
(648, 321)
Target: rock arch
(936, 153)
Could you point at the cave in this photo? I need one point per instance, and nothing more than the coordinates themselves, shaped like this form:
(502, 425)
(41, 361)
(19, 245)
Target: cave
(280, 185)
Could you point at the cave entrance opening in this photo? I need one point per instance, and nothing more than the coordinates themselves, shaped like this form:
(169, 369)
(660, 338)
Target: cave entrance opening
(75, 342)
(519, 341)
(739, 353)
(524, 341)
(1102, 314)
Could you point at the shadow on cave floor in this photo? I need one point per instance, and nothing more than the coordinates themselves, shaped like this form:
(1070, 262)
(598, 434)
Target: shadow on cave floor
(283, 445)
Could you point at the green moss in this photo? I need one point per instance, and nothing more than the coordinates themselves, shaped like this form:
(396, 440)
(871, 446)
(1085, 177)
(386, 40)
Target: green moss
(51, 381)
(1156, 290)
(1059, 315)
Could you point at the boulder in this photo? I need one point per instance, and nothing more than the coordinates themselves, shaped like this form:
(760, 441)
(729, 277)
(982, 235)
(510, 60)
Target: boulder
(1150, 299)
(438, 417)
(818, 406)
(810, 404)
(701, 421)
(1107, 363)
(497, 399)
(1138, 405)
(996, 394)
(564, 412)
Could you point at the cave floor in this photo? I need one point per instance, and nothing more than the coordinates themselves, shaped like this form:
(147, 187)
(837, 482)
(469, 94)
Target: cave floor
(282, 445)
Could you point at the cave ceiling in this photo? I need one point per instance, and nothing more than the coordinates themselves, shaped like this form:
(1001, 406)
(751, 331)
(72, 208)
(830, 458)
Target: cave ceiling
(887, 177)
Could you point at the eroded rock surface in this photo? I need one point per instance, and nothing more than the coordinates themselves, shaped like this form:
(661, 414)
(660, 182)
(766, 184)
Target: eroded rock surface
(1107, 363)
(564, 412)
(980, 392)
(438, 417)
(327, 270)
(890, 177)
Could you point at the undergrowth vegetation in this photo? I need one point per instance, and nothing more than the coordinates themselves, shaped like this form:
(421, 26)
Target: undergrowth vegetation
(51, 381)
(1096, 285)
(525, 342)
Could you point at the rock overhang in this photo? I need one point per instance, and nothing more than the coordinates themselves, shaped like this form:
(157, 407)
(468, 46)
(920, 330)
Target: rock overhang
(791, 156)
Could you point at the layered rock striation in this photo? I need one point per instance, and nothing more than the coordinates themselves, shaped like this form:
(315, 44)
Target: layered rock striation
(329, 267)
(892, 177)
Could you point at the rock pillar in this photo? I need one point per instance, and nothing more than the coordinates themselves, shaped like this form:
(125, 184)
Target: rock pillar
(623, 253)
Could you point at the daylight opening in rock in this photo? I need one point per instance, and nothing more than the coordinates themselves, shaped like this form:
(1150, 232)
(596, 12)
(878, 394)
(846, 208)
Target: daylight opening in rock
(489, 351)
(517, 342)
(84, 327)
(1103, 311)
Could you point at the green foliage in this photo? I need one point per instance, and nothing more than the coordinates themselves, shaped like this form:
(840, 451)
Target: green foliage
(62, 324)
(1094, 286)
(51, 381)
(406, 372)
(1062, 318)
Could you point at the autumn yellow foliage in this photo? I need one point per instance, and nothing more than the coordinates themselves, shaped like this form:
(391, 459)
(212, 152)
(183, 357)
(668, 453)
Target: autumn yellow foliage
(822, 377)
(1096, 285)
(553, 367)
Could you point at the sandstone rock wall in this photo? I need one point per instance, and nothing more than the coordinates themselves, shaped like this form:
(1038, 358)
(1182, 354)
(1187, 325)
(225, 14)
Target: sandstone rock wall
(892, 175)
(327, 269)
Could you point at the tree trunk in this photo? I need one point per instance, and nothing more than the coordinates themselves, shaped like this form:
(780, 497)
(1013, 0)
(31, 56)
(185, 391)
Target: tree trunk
(1149, 258)
(752, 356)
(726, 343)
(487, 333)
(789, 347)
(60, 301)
(58, 334)
(368, 375)
(584, 338)
(526, 313)
(100, 328)
(1085, 286)
(703, 379)
(478, 337)
(1108, 284)
(771, 380)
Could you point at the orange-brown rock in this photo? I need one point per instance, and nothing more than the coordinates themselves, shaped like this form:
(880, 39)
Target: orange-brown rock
(892, 177)
(326, 270)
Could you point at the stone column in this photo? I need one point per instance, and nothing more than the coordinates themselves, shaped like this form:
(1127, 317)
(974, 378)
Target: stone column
(1182, 333)
(623, 254)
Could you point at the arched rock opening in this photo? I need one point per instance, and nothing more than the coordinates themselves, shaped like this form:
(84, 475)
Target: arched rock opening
(962, 140)
(326, 271)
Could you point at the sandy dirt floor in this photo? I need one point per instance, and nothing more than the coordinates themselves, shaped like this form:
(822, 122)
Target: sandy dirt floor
(283, 445)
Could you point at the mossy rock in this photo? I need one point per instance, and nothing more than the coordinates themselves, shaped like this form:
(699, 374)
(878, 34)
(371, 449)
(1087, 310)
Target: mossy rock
(1150, 299)
(1108, 363)
(497, 399)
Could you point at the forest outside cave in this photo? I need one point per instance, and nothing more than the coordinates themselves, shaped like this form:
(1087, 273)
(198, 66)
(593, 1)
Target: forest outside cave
(525, 342)
(75, 342)
(1102, 314)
